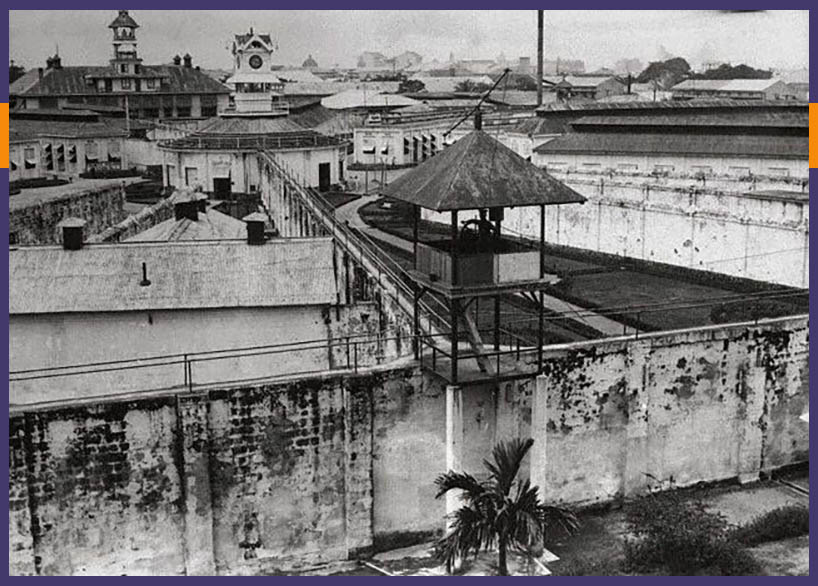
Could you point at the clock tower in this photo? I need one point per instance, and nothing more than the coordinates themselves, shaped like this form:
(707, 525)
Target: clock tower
(257, 91)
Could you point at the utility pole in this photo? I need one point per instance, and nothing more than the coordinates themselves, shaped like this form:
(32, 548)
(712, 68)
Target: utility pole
(540, 19)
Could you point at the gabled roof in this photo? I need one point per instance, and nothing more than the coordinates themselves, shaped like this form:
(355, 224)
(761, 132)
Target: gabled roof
(478, 172)
(589, 81)
(245, 39)
(123, 19)
(183, 275)
(210, 225)
(72, 80)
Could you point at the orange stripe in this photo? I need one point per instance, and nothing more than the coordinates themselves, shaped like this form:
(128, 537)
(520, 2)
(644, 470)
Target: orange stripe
(813, 136)
(4, 136)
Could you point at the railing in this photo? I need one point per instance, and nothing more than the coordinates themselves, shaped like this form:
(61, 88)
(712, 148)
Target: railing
(252, 143)
(188, 371)
(380, 266)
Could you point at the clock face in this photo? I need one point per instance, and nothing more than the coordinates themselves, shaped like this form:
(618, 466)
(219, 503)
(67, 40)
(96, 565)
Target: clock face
(255, 62)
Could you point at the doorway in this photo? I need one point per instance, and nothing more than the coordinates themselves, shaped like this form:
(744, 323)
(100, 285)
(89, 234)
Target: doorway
(323, 176)
(221, 187)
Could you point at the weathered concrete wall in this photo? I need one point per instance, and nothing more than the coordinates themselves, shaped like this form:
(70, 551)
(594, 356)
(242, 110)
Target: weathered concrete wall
(686, 407)
(100, 206)
(249, 480)
(272, 478)
(709, 228)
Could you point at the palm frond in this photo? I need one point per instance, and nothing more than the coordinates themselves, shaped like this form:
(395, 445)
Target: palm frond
(459, 481)
(507, 459)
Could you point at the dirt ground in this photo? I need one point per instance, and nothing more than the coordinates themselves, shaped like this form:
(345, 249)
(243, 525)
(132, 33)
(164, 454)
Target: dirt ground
(597, 548)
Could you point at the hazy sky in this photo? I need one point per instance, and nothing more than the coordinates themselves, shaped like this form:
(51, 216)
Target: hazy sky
(760, 39)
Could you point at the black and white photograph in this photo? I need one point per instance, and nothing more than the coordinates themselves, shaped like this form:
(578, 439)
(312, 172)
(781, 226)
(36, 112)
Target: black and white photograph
(408, 292)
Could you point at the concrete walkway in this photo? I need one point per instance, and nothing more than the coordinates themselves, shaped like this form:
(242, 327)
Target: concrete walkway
(608, 327)
(349, 213)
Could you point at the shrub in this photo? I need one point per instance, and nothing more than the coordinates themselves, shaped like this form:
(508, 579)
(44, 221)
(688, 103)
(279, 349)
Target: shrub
(681, 537)
(781, 523)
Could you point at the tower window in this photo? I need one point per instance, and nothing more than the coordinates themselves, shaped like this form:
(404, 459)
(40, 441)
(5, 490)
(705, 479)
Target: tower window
(126, 84)
(123, 68)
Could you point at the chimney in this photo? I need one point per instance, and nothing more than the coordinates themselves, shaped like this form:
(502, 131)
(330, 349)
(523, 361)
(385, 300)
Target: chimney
(72, 233)
(40, 72)
(255, 227)
(187, 204)
(478, 120)
(188, 60)
(54, 62)
(177, 60)
(540, 33)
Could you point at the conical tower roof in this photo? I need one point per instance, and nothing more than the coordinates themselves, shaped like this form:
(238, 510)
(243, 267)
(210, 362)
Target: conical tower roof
(479, 172)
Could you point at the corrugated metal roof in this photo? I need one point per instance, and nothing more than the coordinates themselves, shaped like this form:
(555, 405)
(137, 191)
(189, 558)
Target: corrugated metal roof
(365, 99)
(671, 105)
(783, 119)
(479, 172)
(72, 81)
(26, 130)
(238, 126)
(726, 85)
(183, 275)
(211, 225)
(537, 126)
(784, 147)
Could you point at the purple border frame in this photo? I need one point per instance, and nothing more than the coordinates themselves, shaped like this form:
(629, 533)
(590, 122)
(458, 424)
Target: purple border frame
(393, 5)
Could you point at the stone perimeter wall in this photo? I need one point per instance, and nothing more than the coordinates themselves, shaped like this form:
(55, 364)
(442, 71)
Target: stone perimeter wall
(270, 479)
(99, 207)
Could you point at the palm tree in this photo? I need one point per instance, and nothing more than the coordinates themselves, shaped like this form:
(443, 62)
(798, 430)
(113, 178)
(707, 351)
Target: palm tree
(501, 510)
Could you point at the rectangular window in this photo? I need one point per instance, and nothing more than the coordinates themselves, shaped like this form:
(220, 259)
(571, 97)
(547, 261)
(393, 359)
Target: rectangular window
(29, 158)
(591, 166)
(126, 84)
(167, 112)
(663, 168)
(627, 167)
(150, 83)
(123, 68)
(183, 111)
(13, 238)
(701, 169)
(91, 150)
(171, 174)
(209, 111)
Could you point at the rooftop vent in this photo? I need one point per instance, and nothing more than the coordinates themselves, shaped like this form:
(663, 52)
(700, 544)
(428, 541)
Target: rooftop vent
(177, 60)
(255, 228)
(188, 60)
(72, 233)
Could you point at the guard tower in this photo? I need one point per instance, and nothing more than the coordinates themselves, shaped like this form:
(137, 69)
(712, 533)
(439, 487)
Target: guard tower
(478, 178)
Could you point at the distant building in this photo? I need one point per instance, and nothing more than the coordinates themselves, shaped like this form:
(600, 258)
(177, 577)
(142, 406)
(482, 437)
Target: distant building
(76, 303)
(63, 143)
(309, 63)
(585, 87)
(408, 60)
(372, 60)
(147, 91)
(713, 139)
(215, 157)
(740, 89)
